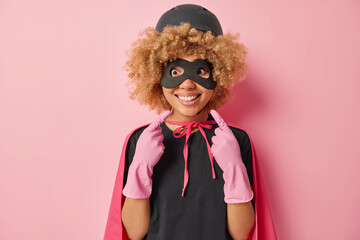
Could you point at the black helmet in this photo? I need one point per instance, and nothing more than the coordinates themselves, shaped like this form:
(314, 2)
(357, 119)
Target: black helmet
(197, 16)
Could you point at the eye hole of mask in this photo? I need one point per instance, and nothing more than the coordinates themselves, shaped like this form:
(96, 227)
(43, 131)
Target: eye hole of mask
(178, 71)
(203, 72)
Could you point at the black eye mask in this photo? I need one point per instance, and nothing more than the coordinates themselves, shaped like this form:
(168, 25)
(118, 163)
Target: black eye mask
(190, 72)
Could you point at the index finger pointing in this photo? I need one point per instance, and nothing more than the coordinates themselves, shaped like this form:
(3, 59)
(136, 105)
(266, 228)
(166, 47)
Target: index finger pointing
(222, 124)
(156, 123)
(163, 116)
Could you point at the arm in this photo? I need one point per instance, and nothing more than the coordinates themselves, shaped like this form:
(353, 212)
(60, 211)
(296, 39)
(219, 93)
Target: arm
(237, 189)
(138, 187)
(136, 217)
(241, 217)
(240, 220)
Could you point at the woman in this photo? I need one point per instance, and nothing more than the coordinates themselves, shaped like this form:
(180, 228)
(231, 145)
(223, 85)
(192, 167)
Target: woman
(173, 188)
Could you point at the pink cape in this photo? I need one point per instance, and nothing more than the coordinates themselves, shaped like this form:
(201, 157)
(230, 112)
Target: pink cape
(264, 227)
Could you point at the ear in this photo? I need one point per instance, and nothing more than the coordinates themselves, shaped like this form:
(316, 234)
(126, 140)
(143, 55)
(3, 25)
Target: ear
(220, 96)
(163, 102)
(215, 92)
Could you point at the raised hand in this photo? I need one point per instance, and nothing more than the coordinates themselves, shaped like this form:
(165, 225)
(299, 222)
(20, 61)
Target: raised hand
(226, 151)
(149, 149)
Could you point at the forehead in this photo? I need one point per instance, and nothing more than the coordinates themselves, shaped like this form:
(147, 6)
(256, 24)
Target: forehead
(188, 65)
(193, 60)
(189, 58)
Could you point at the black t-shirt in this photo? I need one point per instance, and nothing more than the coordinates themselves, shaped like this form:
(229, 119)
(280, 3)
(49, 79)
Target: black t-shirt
(201, 214)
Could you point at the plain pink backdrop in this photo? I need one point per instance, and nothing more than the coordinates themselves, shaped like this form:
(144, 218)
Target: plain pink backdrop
(65, 110)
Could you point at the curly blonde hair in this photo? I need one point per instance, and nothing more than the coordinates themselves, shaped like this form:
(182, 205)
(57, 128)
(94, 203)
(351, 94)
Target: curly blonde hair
(153, 50)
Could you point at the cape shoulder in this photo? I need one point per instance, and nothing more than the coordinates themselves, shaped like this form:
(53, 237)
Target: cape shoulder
(114, 228)
(264, 225)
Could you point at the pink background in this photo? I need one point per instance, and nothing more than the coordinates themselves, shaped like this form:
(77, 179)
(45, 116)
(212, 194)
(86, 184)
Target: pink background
(65, 110)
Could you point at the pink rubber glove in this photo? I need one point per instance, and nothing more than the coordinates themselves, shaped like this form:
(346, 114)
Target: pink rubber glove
(149, 149)
(226, 151)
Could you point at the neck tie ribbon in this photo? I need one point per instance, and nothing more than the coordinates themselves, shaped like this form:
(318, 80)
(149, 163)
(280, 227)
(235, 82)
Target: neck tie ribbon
(186, 128)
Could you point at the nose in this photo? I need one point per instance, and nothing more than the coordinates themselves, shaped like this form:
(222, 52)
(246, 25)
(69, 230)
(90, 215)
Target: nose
(187, 84)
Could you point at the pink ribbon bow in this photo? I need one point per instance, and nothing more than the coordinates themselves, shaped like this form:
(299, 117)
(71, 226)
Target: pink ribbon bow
(187, 127)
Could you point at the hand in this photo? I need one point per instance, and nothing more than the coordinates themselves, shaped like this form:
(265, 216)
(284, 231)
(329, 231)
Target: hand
(149, 149)
(226, 150)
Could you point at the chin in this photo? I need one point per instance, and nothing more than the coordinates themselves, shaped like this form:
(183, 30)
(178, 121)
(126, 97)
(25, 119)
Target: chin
(192, 113)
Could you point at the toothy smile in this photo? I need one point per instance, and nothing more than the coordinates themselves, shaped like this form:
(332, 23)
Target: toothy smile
(188, 98)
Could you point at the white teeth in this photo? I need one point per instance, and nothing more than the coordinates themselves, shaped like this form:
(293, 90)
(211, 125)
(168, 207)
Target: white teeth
(187, 98)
